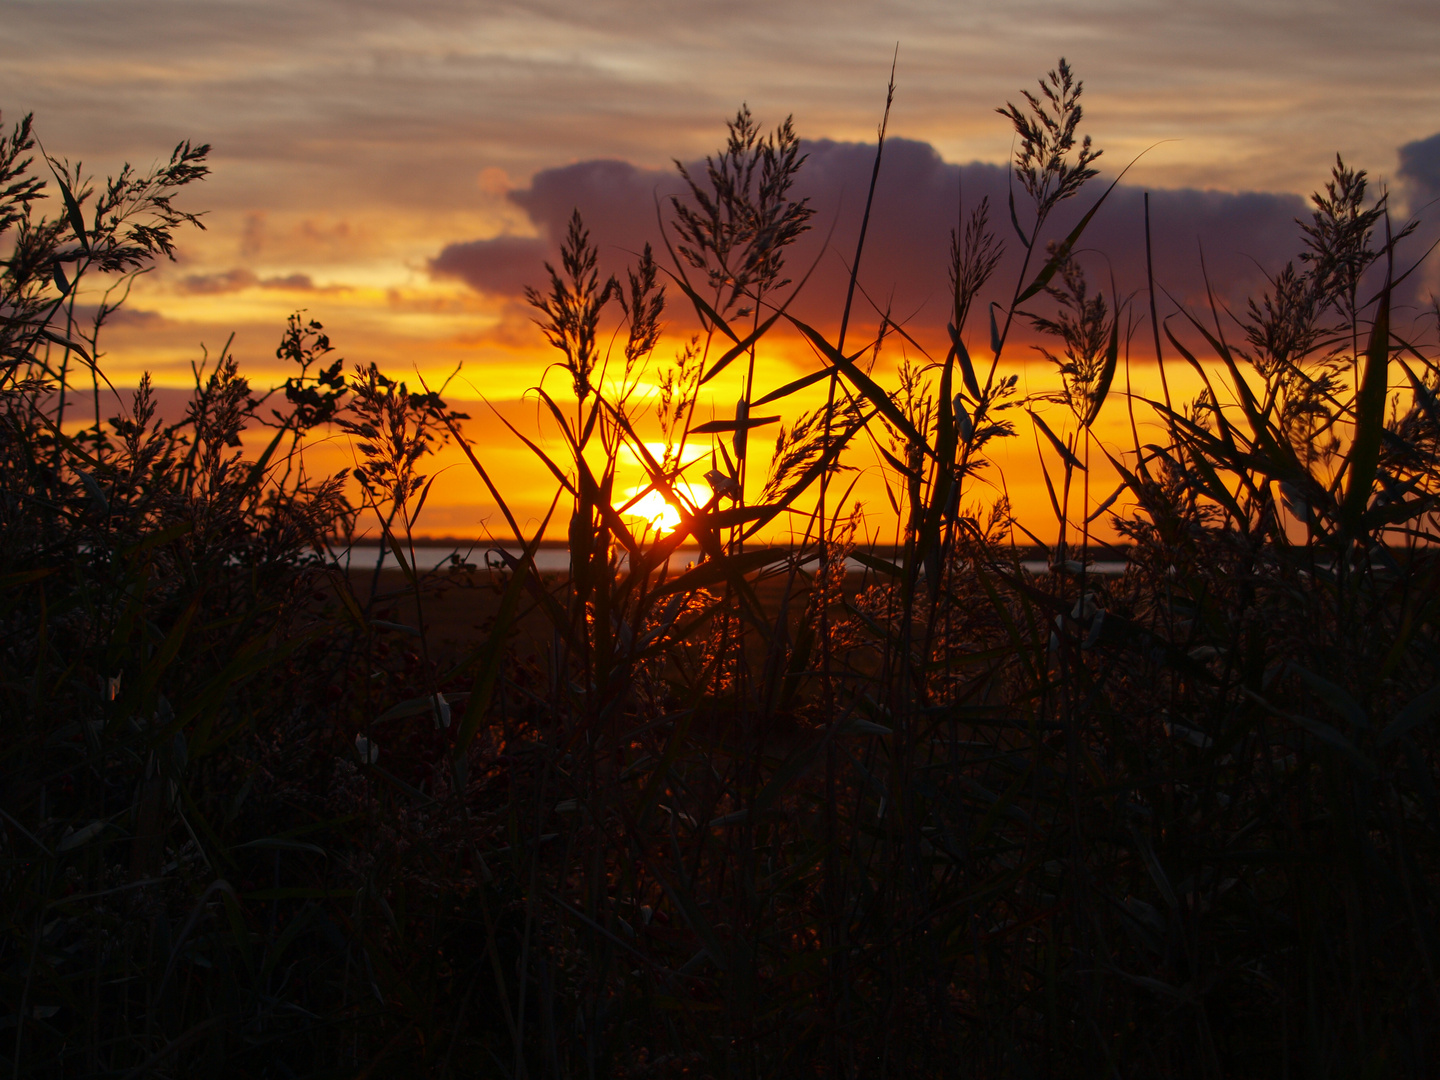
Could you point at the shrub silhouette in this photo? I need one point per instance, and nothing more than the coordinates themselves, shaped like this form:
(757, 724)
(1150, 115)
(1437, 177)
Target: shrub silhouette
(763, 814)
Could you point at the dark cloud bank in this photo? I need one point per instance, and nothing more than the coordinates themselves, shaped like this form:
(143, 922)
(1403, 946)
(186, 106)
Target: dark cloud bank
(1420, 175)
(1243, 236)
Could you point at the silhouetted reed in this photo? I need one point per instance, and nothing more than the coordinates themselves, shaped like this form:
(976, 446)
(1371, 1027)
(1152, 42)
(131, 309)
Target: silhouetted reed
(755, 814)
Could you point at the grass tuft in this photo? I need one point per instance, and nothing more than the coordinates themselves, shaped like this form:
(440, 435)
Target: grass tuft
(762, 815)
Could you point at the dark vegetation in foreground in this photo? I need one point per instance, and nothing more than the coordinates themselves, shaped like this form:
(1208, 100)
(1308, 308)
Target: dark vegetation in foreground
(955, 819)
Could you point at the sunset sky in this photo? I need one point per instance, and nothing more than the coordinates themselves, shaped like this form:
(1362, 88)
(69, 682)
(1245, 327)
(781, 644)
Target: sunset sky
(400, 171)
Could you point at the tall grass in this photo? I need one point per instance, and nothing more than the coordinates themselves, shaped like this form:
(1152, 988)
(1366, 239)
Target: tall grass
(753, 816)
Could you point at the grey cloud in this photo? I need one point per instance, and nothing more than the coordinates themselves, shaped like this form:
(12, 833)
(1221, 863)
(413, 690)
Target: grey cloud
(134, 318)
(171, 403)
(917, 203)
(501, 267)
(252, 239)
(1419, 176)
(215, 284)
(617, 200)
(290, 282)
(1419, 172)
(385, 114)
(238, 279)
(123, 317)
(400, 105)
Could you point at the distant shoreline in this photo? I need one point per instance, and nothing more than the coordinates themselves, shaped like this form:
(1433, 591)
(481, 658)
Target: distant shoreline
(554, 558)
(1097, 549)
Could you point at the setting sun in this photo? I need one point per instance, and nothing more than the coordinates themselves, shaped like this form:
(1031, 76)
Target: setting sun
(652, 509)
(737, 566)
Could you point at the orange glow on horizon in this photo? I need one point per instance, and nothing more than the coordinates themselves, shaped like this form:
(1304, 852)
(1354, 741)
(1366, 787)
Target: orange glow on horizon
(498, 370)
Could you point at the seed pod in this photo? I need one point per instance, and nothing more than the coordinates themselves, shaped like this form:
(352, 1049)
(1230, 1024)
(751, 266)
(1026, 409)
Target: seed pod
(1294, 501)
(963, 423)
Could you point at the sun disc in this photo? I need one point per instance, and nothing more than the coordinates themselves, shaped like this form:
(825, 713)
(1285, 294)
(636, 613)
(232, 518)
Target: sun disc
(656, 512)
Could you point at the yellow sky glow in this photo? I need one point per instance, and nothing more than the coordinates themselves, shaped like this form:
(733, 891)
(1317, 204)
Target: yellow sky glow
(354, 143)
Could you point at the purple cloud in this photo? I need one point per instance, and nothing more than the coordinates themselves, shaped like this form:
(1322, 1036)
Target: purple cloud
(214, 284)
(128, 317)
(501, 267)
(1241, 237)
(291, 282)
(1420, 172)
(240, 278)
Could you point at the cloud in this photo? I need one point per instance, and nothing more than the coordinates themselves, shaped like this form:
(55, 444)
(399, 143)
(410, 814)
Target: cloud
(918, 201)
(358, 160)
(228, 281)
(616, 199)
(1419, 173)
(252, 238)
(407, 101)
(502, 266)
(239, 279)
(123, 317)
(293, 283)
(1419, 177)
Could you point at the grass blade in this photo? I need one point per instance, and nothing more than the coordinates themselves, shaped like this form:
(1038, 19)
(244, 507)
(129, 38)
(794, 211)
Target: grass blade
(862, 382)
(1363, 459)
(1060, 447)
(494, 652)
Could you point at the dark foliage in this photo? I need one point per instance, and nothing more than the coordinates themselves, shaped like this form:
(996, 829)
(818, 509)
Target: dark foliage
(762, 815)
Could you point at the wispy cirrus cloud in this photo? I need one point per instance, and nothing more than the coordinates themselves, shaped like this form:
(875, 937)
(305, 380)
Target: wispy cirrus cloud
(1261, 93)
(357, 141)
